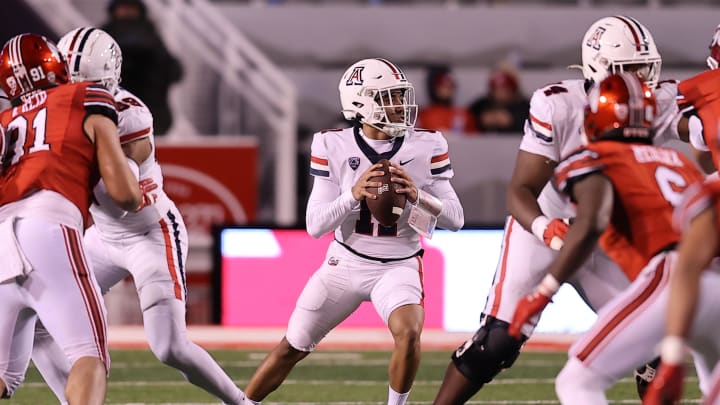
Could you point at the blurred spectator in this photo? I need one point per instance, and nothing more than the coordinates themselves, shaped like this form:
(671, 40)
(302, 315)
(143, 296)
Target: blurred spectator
(504, 108)
(442, 114)
(148, 67)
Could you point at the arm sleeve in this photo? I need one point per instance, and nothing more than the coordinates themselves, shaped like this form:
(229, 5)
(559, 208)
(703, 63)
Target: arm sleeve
(327, 207)
(452, 216)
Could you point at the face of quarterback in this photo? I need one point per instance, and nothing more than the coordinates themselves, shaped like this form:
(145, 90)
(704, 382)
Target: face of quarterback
(393, 103)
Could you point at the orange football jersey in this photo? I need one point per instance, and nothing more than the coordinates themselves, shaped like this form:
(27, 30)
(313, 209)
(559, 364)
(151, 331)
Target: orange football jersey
(702, 93)
(47, 145)
(648, 182)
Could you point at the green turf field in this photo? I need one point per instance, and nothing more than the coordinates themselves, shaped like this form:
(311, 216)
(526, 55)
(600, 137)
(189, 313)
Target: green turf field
(329, 377)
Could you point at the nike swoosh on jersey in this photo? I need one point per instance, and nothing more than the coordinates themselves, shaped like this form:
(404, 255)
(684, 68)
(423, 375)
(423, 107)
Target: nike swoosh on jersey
(406, 162)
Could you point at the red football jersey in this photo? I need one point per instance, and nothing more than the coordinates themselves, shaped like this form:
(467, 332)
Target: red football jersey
(648, 182)
(48, 148)
(702, 93)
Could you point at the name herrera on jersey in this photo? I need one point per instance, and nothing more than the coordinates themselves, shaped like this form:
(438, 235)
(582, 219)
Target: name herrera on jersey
(645, 154)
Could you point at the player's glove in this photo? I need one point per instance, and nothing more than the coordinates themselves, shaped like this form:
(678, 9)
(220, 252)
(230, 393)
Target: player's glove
(550, 231)
(147, 188)
(667, 386)
(532, 305)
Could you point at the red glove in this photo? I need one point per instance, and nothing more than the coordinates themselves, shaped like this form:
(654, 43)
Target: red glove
(527, 307)
(667, 386)
(147, 186)
(532, 304)
(550, 231)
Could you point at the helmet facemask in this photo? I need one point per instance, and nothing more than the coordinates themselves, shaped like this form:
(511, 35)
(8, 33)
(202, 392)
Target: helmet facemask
(393, 109)
(648, 72)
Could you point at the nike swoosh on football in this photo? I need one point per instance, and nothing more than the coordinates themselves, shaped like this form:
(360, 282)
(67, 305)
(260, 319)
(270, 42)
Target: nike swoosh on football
(406, 162)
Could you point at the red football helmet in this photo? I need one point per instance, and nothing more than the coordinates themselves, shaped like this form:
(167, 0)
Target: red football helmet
(714, 59)
(29, 62)
(620, 108)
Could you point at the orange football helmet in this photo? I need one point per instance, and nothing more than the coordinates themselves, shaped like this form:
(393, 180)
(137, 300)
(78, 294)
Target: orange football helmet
(620, 108)
(30, 62)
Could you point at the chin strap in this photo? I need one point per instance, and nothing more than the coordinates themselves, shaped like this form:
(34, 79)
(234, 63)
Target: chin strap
(391, 131)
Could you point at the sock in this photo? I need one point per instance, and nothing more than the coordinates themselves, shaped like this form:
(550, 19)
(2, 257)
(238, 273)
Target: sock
(167, 335)
(395, 398)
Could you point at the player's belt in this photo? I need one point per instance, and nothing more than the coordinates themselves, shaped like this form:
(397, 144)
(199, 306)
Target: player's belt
(420, 253)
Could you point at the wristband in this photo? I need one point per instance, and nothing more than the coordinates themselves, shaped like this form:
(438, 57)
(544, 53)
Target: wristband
(672, 350)
(429, 203)
(538, 227)
(549, 285)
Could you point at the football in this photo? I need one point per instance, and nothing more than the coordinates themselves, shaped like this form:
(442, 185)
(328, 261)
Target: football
(389, 205)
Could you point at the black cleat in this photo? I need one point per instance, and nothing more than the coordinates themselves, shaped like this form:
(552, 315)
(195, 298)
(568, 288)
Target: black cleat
(644, 376)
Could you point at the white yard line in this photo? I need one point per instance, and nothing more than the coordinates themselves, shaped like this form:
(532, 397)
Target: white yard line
(499, 381)
(507, 402)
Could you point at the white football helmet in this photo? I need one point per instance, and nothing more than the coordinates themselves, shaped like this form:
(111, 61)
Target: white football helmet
(714, 59)
(614, 45)
(92, 55)
(376, 92)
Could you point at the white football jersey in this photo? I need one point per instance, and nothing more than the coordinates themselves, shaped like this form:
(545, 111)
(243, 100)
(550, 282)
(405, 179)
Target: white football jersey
(341, 156)
(554, 130)
(134, 122)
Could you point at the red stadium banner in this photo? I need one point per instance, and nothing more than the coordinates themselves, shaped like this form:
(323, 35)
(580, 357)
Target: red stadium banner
(212, 180)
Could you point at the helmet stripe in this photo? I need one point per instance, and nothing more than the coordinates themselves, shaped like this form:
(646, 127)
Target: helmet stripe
(394, 69)
(19, 68)
(632, 27)
(11, 52)
(15, 52)
(639, 26)
(71, 50)
(80, 49)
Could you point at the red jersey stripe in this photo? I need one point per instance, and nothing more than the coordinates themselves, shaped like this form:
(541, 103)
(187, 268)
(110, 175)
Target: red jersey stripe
(541, 123)
(318, 160)
(135, 135)
(440, 158)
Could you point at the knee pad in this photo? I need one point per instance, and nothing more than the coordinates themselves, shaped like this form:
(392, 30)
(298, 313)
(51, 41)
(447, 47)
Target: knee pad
(152, 293)
(488, 352)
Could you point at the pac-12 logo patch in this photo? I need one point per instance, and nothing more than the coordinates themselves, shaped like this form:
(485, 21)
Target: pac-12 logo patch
(594, 40)
(355, 78)
(354, 162)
